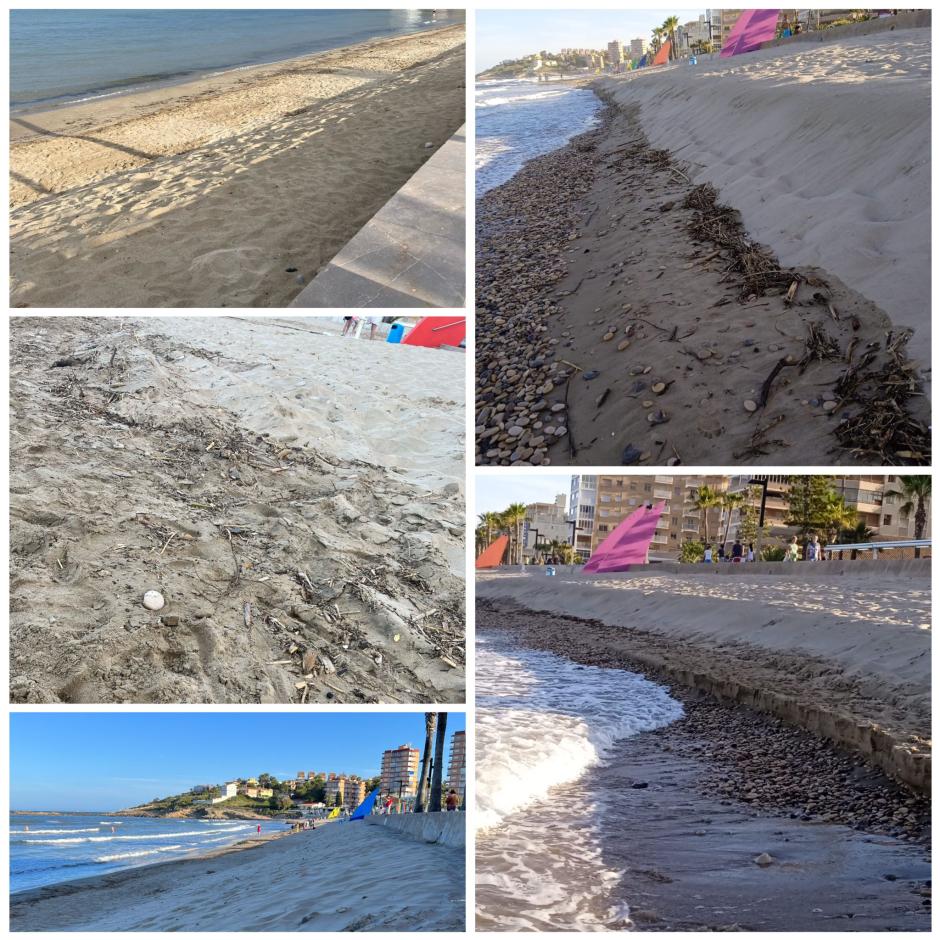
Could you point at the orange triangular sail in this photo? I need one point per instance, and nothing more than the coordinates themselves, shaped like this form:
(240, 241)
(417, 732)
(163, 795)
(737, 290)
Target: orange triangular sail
(662, 57)
(492, 555)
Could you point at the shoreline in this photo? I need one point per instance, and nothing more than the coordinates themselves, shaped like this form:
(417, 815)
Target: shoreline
(226, 192)
(143, 101)
(287, 884)
(709, 363)
(682, 812)
(111, 879)
(695, 636)
(194, 76)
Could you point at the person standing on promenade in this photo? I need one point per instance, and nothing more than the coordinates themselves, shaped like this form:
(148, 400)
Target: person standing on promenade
(737, 552)
(708, 555)
(453, 801)
(793, 550)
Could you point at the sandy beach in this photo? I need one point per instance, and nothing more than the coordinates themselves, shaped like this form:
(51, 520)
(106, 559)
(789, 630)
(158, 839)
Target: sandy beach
(733, 266)
(331, 878)
(731, 817)
(232, 190)
(306, 527)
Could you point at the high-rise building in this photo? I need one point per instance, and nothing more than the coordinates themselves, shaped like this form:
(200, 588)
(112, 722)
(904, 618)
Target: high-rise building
(619, 496)
(457, 770)
(581, 516)
(637, 48)
(301, 775)
(615, 52)
(400, 771)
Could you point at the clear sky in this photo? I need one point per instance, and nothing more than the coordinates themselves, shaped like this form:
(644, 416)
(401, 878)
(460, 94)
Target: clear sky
(509, 34)
(495, 493)
(107, 760)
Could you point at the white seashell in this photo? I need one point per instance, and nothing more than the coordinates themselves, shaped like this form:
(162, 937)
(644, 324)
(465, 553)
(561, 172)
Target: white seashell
(153, 600)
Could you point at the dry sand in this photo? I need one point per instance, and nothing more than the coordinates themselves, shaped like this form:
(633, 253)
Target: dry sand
(338, 877)
(823, 148)
(614, 328)
(847, 657)
(204, 194)
(215, 460)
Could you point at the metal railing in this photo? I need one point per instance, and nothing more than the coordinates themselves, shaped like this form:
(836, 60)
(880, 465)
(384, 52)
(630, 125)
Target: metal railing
(875, 547)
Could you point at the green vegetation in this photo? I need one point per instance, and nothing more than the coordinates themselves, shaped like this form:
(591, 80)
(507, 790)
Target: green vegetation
(691, 553)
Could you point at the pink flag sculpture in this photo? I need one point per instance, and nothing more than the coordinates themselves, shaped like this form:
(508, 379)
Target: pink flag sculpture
(750, 32)
(629, 543)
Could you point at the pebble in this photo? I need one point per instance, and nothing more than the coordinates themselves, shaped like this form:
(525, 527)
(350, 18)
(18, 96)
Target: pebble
(764, 859)
(593, 374)
(750, 404)
(830, 405)
(623, 344)
(608, 337)
(153, 600)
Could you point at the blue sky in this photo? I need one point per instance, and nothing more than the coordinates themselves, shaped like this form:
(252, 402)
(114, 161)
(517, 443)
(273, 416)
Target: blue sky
(495, 493)
(108, 760)
(509, 34)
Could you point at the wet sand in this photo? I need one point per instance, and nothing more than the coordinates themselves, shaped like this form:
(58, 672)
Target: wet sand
(232, 191)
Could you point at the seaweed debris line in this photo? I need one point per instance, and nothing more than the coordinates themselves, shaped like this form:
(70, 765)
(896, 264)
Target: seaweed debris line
(247, 473)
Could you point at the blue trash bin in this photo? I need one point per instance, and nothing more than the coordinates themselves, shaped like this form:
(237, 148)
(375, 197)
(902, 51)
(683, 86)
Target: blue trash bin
(396, 333)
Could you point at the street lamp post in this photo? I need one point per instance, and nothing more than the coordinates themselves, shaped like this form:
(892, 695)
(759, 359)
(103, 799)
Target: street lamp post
(760, 521)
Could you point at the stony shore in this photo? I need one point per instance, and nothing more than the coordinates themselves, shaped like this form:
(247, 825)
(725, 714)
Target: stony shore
(749, 757)
(624, 316)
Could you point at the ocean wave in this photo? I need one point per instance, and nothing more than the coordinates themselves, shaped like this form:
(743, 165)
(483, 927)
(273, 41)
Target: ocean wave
(143, 838)
(122, 855)
(543, 720)
(39, 832)
(510, 99)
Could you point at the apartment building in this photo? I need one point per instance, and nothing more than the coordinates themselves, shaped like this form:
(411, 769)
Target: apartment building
(637, 48)
(878, 500)
(615, 52)
(545, 523)
(457, 770)
(400, 771)
(355, 791)
(581, 516)
(616, 497)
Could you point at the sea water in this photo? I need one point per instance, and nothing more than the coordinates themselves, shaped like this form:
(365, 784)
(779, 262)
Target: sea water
(542, 723)
(47, 849)
(64, 56)
(517, 120)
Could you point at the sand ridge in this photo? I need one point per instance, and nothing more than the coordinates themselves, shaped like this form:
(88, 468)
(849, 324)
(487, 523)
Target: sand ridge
(204, 458)
(235, 197)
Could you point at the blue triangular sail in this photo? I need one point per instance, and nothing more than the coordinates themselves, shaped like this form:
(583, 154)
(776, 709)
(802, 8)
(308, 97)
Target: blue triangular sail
(365, 807)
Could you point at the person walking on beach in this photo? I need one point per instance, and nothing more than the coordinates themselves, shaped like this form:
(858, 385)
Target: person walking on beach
(793, 551)
(373, 326)
(348, 324)
(453, 801)
(259, 829)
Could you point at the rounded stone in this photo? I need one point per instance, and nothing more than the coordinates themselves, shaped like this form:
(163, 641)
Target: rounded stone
(153, 600)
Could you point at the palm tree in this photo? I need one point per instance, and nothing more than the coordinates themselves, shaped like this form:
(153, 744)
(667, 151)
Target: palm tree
(729, 502)
(703, 500)
(835, 515)
(916, 490)
(437, 775)
(430, 723)
(859, 533)
(657, 38)
(512, 518)
(670, 26)
(489, 522)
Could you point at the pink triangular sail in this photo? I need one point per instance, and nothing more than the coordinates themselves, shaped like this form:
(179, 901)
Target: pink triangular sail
(630, 541)
(752, 29)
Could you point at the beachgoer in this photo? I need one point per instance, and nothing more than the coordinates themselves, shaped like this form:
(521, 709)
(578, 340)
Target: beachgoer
(750, 551)
(259, 829)
(814, 550)
(453, 801)
(721, 552)
(737, 551)
(349, 323)
(708, 555)
(793, 550)
(373, 326)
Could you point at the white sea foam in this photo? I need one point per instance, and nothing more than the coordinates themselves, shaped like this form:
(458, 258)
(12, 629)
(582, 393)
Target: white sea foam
(518, 120)
(143, 838)
(41, 832)
(542, 722)
(123, 855)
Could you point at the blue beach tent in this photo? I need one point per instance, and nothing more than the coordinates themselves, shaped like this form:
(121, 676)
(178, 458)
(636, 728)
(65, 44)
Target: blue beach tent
(365, 807)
